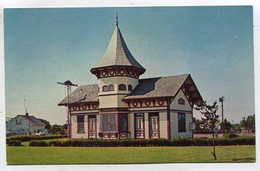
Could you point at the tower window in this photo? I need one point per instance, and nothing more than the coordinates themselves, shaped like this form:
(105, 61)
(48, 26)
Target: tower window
(111, 87)
(122, 87)
(130, 88)
(105, 88)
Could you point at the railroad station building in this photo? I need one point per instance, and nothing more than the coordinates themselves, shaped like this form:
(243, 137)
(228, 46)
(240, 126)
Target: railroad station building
(122, 106)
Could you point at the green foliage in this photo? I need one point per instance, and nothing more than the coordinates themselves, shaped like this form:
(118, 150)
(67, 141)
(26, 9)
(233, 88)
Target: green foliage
(38, 143)
(226, 126)
(150, 142)
(248, 122)
(211, 119)
(14, 143)
(23, 138)
(57, 130)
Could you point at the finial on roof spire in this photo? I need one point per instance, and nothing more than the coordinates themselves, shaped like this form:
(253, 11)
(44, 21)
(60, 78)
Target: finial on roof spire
(116, 19)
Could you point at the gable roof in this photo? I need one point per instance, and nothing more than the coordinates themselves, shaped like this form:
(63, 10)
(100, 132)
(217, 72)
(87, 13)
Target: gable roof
(83, 94)
(165, 87)
(32, 119)
(157, 87)
(117, 53)
(147, 88)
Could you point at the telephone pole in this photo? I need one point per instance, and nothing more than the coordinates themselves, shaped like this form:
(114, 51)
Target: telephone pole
(221, 100)
(68, 85)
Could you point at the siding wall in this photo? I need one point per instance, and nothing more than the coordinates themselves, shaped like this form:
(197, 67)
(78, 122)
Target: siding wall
(174, 125)
(163, 125)
(11, 125)
(131, 125)
(187, 109)
(74, 133)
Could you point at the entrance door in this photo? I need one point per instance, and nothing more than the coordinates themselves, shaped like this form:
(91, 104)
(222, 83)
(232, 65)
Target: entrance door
(154, 125)
(139, 125)
(92, 127)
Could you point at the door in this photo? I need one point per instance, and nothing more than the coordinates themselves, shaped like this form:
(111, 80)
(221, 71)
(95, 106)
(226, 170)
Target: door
(154, 125)
(139, 125)
(92, 127)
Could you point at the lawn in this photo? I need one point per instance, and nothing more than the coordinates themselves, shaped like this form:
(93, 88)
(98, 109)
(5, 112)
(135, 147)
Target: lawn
(123, 155)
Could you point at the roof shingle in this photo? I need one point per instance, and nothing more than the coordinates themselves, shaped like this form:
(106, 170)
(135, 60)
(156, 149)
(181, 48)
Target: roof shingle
(34, 120)
(117, 53)
(157, 87)
(84, 93)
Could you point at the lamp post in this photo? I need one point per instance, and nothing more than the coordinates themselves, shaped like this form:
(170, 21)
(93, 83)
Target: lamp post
(68, 85)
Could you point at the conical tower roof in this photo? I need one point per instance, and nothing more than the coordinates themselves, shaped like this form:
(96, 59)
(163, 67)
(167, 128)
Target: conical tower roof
(117, 54)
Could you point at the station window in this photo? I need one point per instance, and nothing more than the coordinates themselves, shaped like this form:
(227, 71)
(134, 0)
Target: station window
(122, 87)
(130, 88)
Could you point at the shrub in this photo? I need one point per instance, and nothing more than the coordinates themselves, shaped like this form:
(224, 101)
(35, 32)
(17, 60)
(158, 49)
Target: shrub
(14, 143)
(30, 137)
(38, 143)
(146, 142)
(230, 135)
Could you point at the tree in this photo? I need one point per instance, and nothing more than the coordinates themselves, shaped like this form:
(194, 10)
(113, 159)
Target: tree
(47, 123)
(57, 129)
(226, 126)
(248, 123)
(210, 120)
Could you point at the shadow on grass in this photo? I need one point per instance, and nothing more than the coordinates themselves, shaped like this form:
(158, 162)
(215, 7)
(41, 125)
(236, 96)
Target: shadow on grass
(247, 159)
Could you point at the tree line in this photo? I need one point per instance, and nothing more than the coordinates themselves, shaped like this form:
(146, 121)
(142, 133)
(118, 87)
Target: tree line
(247, 124)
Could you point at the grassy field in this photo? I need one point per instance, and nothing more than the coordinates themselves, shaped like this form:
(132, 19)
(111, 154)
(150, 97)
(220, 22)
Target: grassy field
(123, 155)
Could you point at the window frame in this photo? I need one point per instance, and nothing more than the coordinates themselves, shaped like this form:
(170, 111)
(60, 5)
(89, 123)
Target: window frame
(105, 90)
(80, 124)
(181, 122)
(130, 87)
(123, 118)
(18, 122)
(108, 123)
(111, 87)
(120, 87)
(181, 101)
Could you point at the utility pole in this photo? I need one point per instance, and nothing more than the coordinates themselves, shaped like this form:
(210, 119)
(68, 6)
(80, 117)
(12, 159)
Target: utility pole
(68, 85)
(221, 100)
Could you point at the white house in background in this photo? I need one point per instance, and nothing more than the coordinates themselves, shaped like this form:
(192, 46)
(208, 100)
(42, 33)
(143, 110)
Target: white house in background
(123, 106)
(25, 124)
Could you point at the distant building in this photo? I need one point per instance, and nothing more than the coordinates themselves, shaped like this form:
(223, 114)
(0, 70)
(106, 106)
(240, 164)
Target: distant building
(25, 124)
(123, 106)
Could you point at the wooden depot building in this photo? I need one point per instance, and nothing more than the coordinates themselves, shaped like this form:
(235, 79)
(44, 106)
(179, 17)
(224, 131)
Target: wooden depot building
(122, 106)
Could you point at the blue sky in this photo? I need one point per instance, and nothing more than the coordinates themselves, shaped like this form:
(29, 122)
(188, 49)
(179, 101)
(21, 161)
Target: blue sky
(43, 46)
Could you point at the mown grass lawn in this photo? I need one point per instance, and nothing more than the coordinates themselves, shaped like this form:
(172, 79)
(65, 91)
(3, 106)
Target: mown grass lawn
(124, 155)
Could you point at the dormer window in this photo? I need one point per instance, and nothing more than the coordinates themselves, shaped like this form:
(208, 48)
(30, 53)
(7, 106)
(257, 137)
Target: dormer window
(181, 101)
(122, 87)
(130, 88)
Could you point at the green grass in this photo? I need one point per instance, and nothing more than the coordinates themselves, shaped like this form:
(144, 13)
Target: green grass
(123, 155)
